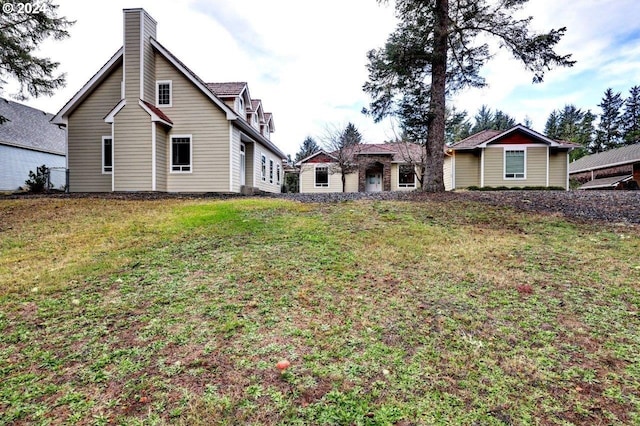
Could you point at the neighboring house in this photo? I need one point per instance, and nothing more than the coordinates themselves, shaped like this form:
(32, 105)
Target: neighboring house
(518, 157)
(28, 140)
(374, 167)
(614, 169)
(146, 122)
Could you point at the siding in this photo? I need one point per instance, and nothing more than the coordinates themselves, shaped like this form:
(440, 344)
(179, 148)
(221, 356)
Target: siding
(467, 171)
(307, 180)
(535, 168)
(194, 114)
(132, 54)
(250, 170)
(132, 149)
(448, 173)
(259, 183)
(558, 169)
(149, 71)
(395, 179)
(162, 159)
(85, 131)
(235, 159)
(16, 163)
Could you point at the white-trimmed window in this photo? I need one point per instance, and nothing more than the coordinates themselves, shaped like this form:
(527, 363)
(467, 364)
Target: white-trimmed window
(515, 163)
(278, 173)
(270, 171)
(322, 177)
(406, 176)
(263, 167)
(181, 154)
(107, 154)
(164, 95)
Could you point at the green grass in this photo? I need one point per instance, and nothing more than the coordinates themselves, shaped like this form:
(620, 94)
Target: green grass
(176, 312)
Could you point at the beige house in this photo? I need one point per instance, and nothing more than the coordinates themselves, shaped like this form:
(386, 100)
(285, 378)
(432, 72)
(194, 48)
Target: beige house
(371, 168)
(145, 122)
(518, 157)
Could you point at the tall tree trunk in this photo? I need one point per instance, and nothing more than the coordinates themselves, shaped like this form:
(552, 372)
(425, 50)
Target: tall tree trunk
(434, 181)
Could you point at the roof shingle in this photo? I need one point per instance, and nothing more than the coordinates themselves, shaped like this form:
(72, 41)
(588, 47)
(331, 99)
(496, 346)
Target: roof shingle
(30, 128)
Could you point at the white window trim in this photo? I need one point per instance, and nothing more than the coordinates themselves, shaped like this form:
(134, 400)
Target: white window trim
(171, 137)
(407, 185)
(322, 185)
(104, 172)
(271, 170)
(263, 167)
(170, 83)
(504, 163)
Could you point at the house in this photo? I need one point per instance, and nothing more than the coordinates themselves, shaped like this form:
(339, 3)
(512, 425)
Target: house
(28, 140)
(372, 168)
(614, 169)
(146, 122)
(517, 157)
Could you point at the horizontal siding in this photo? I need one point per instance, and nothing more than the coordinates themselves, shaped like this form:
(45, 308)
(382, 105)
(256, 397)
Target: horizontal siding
(250, 170)
(259, 183)
(558, 169)
(448, 173)
(132, 54)
(149, 60)
(194, 114)
(307, 180)
(16, 163)
(467, 170)
(535, 168)
(132, 150)
(162, 160)
(235, 161)
(85, 131)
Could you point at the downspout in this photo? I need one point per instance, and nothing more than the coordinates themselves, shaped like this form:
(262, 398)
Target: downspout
(482, 167)
(548, 166)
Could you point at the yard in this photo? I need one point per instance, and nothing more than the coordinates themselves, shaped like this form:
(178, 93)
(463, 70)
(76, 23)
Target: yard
(176, 311)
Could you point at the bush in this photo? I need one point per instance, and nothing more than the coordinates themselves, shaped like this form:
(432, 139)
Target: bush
(39, 181)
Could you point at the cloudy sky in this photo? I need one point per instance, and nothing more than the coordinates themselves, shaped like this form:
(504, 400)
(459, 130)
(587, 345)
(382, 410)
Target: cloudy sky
(306, 59)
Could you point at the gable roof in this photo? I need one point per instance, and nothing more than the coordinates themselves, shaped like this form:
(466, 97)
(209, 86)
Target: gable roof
(30, 128)
(400, 152)
(117, 59)
(227, 89)
(613, 157)
(487, 137)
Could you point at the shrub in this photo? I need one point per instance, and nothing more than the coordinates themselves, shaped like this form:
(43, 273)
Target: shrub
(39, 181)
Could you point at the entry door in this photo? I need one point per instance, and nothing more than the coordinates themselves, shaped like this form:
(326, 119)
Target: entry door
(243, 164)
(374, 182)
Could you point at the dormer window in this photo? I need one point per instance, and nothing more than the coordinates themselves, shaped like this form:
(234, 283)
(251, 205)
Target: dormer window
(163, 93)
(240, 105)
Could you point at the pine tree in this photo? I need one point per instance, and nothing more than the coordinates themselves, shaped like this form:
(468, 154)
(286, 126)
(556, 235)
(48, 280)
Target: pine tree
(457, 126)
(20, 37)
(552, 126)
(484, 119)
(609, 133)
(631, 117)
(438, 48)
(351, 135)
(308, 147)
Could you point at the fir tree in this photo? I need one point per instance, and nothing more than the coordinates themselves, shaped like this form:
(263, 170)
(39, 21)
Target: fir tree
(20, 37)
(307, 148)
(609, 133)
(631, 117)
(438, 47)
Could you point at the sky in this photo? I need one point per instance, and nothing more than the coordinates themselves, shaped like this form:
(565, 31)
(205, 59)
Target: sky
(306, 60)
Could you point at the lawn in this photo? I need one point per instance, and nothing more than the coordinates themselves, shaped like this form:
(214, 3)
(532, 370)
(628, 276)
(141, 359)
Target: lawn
(409, 313)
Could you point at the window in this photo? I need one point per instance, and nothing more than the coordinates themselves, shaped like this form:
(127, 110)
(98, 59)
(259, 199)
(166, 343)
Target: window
(264, 168)
(181, 153)
(278, 173)
(163, 93)
(407, 176)
(514, 164)
(322, 176)
(107, 154)
(270, 171)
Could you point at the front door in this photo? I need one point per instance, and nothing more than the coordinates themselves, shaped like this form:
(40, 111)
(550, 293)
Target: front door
(374, 182)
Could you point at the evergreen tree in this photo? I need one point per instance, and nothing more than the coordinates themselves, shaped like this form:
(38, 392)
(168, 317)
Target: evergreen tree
(457, 126)
(631, 117)
(351, 135)
(552, 126)
(503, 121)
(438, 48)
(20, 37)
(484, 119)
(307, 148)
(609, 133)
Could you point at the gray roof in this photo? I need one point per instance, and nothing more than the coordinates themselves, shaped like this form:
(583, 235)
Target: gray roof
(227, 88)
(30, 128)
(608, 182)
(613, 157)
